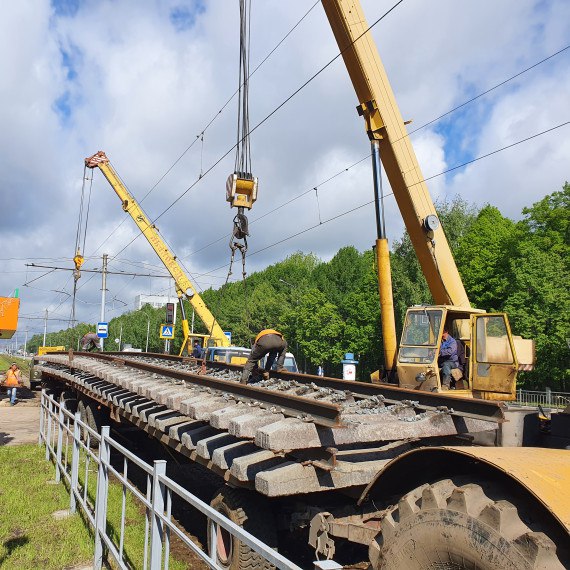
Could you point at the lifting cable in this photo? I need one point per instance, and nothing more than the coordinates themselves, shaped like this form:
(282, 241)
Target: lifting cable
(78, 259)
(241, 185)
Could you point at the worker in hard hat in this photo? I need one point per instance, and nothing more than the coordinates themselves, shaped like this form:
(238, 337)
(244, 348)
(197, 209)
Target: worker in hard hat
(12, 381)
(90, 341)
(270, 342)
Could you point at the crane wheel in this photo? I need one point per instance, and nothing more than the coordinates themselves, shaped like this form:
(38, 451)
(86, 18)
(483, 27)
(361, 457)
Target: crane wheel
(246, 510)
(459, 527)
(93, 418)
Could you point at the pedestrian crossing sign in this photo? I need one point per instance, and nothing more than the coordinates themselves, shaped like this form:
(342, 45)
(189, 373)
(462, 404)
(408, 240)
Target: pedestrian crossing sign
(167, 331)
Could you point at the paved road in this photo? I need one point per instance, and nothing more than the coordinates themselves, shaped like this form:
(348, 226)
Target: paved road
(19, 423)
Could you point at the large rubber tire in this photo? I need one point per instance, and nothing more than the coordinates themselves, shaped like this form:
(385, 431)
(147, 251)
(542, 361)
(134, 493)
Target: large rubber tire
(91, 417)
(248, 511)
(459, 527)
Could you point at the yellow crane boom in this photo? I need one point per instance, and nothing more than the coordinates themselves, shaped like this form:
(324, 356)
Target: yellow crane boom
(385, 124)
(184, 287)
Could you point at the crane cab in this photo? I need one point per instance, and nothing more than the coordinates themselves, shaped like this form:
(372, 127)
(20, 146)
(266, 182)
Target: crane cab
(491, 361)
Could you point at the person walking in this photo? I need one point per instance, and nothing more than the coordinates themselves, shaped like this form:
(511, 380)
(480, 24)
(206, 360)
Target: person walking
(12, 381)
(270, 342)
(90, 341)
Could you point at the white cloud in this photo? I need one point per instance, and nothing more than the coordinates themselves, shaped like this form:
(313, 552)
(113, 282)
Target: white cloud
(141, 89)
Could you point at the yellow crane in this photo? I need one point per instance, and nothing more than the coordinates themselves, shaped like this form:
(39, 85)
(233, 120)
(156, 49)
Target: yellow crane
(492, 354)
(184, 287)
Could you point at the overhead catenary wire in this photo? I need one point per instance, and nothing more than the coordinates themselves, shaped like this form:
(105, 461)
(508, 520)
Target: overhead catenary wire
(369, 202)
(364, 158)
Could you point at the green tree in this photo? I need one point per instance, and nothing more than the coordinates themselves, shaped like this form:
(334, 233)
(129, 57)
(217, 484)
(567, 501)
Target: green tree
(483, 258)
(320, 328)
(538, 299)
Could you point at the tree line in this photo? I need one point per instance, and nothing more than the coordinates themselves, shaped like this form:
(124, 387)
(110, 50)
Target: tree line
(328, 308)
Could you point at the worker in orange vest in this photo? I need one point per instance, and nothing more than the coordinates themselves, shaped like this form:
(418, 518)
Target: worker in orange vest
(270, 342)
(12, 381)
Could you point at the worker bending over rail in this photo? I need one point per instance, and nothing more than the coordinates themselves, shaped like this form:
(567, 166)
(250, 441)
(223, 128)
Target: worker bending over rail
(270, 342)
(90, 342)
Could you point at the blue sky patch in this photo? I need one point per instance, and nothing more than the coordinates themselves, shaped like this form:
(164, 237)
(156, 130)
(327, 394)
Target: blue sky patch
(65, 8)
(67, 63)
(462, 129)
(62, 106)
(183, 18)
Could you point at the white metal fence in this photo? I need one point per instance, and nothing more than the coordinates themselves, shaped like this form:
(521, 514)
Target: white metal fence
(546, 399)
(61, 432)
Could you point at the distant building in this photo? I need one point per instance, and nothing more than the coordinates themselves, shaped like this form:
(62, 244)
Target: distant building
(155, 301)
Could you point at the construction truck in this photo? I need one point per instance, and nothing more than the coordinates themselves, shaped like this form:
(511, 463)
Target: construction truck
(184, 287)
(398, 474)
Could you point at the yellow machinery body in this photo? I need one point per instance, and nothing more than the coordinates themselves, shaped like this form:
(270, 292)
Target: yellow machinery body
(184, 287)
(385, 125)
(493, 354)
(241, 192)
(47, 349)
(9, 309)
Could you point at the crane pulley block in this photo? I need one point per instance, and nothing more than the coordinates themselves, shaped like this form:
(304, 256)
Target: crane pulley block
(241, 190)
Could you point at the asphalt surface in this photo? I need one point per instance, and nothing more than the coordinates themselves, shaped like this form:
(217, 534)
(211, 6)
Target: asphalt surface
(19, 423)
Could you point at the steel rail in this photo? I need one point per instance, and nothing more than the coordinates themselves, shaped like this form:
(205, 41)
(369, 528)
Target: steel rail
(429, 401)
(321, 413)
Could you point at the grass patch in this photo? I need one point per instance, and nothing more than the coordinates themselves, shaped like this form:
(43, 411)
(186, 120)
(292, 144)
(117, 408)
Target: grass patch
(29, 536)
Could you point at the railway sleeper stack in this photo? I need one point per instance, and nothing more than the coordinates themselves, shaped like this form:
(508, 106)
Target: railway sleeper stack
(251, 443)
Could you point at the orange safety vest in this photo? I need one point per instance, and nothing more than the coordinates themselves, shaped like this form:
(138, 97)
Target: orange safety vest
(11, 379)
(267, 331)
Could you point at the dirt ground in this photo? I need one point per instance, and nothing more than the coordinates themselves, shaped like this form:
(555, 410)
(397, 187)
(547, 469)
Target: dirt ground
(19, 423)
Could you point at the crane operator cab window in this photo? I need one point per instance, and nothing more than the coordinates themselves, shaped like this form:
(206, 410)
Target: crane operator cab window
(420, 337)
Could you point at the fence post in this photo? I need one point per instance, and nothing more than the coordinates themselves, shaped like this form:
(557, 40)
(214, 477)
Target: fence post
(548, 397)
(101, 497)
(48, 419)
(41, 435)
(60, 422)
(156, 529)
(75, 462)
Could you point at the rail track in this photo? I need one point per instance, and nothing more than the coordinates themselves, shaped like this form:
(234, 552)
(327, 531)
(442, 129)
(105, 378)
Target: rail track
(274, 435)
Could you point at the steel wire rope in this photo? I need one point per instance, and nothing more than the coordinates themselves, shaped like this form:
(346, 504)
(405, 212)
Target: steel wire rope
(504, 82)
(200, 136)
(466, 163)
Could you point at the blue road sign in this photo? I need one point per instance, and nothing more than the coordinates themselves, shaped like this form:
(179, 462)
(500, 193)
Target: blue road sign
(167, 331)
(229, 335)
(102, 330)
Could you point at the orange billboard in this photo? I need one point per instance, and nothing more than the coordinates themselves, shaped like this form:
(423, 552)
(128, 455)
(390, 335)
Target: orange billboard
(9, 307)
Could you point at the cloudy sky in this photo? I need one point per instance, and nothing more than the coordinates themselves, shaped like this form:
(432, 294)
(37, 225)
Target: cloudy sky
(142, 80)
